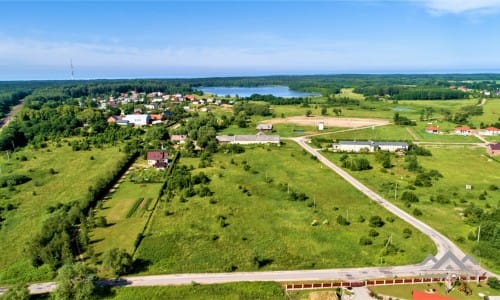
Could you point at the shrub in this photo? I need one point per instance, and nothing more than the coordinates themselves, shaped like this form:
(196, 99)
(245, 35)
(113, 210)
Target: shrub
(342, 221)
(376, 221)
(373, 233)
(407, 233)
(101, 221)
(494, 283)
(417, 212)
(364, 241)
(409, 197)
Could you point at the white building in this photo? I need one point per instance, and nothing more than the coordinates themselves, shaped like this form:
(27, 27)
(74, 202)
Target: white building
(369, 146)
(248, 139)
(138, 119)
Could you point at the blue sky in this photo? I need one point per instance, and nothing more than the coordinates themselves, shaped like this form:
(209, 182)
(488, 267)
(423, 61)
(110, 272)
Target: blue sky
(116, 39)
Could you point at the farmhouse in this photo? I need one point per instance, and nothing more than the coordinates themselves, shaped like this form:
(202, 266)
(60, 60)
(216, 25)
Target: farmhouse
(493, 149)
(462, 130)
(491, 131)
(157, 159)
(138, 119)
(368, 146)
(432, 129)
(264, 127)
(248, 139)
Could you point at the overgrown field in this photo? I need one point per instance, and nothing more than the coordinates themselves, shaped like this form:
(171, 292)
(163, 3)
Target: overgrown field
(228, 291)
(56, 175)
(444, 203)
(273, 208)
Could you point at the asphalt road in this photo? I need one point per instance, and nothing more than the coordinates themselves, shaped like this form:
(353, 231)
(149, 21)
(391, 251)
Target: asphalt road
(443, 245)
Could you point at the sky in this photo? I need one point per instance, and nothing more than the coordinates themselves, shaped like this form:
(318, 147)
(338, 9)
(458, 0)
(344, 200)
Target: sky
(178, 39)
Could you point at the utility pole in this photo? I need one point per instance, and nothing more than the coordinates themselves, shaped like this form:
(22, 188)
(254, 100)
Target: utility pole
(478, 232)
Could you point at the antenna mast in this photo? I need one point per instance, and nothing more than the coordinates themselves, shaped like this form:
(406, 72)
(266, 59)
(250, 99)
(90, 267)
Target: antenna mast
(72, 69)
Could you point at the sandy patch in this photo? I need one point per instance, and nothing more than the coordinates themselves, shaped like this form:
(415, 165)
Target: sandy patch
(328, 121)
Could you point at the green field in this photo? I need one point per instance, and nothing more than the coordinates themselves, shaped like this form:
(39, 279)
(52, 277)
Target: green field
(459, 165)
(122, 231)
(250, 224)
(405, 291)
(228, 291)
(58, 175)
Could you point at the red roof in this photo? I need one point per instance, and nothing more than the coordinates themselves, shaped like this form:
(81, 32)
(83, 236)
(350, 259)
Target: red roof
(492, 129)
(157, 155)
(463, 128)
(495, 147)
(427, 296)
(433, 128)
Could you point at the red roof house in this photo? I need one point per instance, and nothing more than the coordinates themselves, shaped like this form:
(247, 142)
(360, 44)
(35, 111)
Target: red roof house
(493, 131)
(432, 129)
(462, 130)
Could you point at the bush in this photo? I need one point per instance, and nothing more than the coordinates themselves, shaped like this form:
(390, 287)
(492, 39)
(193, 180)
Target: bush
(493, 283)
(101, 221)
(409, 197)
(417, 212)
(376, 221)
(373, 233)
(407, 233)
(342, 221)
(364, 241)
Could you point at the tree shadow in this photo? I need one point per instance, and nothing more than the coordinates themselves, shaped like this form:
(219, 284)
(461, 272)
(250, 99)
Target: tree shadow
(140, 265)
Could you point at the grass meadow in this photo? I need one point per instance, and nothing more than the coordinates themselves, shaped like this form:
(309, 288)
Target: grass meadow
(58, 175)
(250, 224)
(227, 291)
(459, 165)
(122, 230)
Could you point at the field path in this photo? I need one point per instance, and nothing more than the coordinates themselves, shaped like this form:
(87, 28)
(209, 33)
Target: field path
(412, 133)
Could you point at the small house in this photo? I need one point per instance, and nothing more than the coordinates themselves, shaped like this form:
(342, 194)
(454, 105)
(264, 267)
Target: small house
(157, 159)
(369, 146)
(463, 130)
(178, 138)
(248, 139)
(432, 129)
(491, 131)
(113, 119)
(493, 149)
(264, 127)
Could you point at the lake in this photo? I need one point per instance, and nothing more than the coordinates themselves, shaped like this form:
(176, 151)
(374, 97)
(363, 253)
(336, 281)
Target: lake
(277, 91)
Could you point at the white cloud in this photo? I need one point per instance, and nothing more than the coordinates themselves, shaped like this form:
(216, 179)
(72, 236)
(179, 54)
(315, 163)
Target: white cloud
(461, 6)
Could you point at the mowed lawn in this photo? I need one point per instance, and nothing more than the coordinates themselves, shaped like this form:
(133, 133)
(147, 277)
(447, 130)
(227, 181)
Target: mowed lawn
(460, 166)
(121, 231)
(250, 224)
(71, 176)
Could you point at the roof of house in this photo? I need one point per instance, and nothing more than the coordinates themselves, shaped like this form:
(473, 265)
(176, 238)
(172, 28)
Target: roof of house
(495, 146)
(137, 118)
(157, 155)
(372, 144)
(432, 127)
(428, 296)
(462, 128)
(491, 128)
(264, 127)
(178, 137)
(248, 138)
(156, 116)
